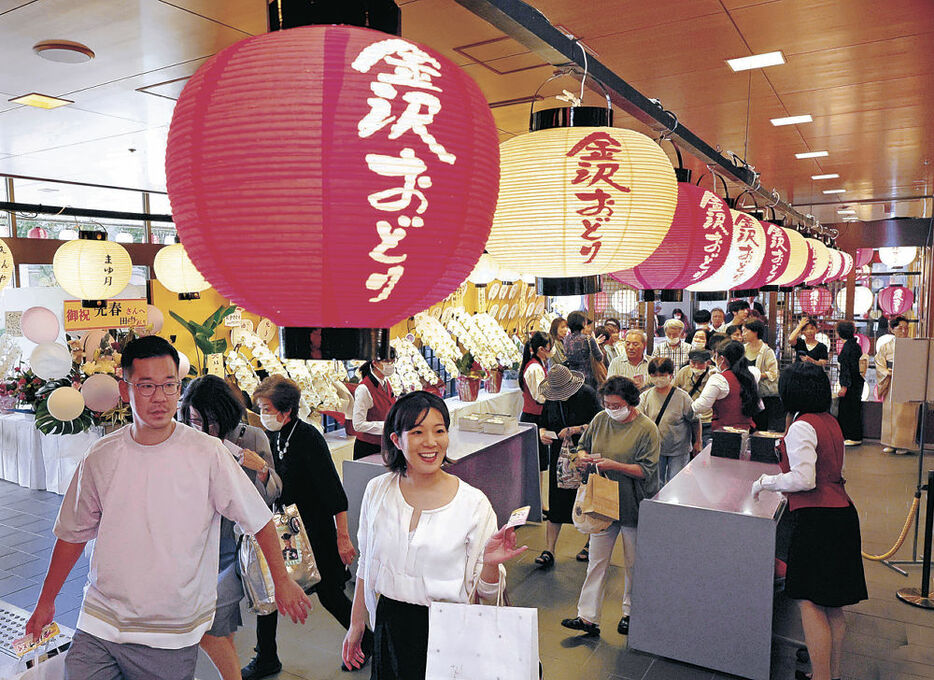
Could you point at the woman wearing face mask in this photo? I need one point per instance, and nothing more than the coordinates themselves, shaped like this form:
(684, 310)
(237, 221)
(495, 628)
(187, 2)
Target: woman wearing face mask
(425, 536)
(623, 443)
(372, 400)
(731, 394)
(558, 332)
(806, 346)
(669, 407)
(699, 340)
(693, 379)
(532, 372)
(210, 405)
(309, 480)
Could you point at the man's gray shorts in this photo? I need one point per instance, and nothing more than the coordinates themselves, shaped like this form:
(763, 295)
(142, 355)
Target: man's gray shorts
(91, 658)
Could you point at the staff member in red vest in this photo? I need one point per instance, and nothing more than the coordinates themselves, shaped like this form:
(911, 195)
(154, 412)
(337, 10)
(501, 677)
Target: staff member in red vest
(731, 394)
(532, 372)
(371, 403)
(825, 569)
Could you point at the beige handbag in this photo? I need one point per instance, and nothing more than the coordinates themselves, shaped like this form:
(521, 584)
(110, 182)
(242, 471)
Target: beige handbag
(296, 552)
(596, 505)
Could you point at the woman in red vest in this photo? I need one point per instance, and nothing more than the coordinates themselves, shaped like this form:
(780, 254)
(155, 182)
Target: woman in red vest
(372, 400)
(532, 372)
(825, 569)
(731, 394)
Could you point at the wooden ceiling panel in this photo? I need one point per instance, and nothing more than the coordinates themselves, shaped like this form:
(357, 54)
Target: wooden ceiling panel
(797, 26)
(587, 20)
(870, 96)
(867, 122)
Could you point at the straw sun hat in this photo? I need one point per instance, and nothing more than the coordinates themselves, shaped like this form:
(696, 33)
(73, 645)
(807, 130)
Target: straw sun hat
(561, 383)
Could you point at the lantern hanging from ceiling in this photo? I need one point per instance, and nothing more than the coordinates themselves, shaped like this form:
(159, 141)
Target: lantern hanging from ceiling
(809, 266)
(600, 300)
(747, 251)
(820, 263)
(174, 270)
(624, 301)
(37, 232)
(863, 257)
(860, 338)
(6, 265)
(371, 162)
(695, 246)
(581, 201)
(798, 258)
(848, 264)
(835, 267)
(777, 258)
(815, 301)
(92, 269)
(898, 256)
(895, 300)
(862, 300)
(484, 272)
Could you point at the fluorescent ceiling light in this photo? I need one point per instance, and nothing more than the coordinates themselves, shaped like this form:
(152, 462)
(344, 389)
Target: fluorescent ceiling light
(832, 175)
(812, 154)
(41, 101)
(846, 212)
(792, 120)
(756, 61)
(835, 191)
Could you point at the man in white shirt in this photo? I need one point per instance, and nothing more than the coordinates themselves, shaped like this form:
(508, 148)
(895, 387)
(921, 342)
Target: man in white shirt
(718, 320)
(152, 495)
(632, 364)
(674, 347)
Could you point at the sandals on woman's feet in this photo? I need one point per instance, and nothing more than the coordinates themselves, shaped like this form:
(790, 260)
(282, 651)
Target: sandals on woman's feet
(583, 555)
(546, 559)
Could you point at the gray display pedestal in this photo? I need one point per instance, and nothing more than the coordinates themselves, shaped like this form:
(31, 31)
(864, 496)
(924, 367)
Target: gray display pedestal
(704, 573)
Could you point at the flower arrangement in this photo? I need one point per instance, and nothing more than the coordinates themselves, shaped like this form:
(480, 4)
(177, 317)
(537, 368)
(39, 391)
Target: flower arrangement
(484, 338)
(412, 371)
(21, 386)
(433, 334)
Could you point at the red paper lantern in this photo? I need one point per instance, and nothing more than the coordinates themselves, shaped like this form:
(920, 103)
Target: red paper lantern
(37, 232)
(777, 256)
(848, 264)
(895, 300)
(695, 247)
(600, 302)
(863, 256)
(815, 301)
(332, 176)
(836, 266)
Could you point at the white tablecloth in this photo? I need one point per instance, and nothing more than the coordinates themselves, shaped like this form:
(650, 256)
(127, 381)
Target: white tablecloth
(61, 455)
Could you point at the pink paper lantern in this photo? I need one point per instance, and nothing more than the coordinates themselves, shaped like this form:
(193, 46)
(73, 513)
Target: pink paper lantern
(37, 232)
(695, 247)
(815, 301)
(600, 302)
(777, 257)
(39, 325)
(101, 392)
(895, 300)
(863, 257)
(332, 176)
(860, 338)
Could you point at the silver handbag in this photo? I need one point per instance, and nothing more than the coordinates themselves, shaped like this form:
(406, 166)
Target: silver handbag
(296, 553)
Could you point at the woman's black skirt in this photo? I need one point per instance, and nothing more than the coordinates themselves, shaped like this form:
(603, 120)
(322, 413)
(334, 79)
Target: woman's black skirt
(400, 648)
(362, 449)
(824, 561)
(542, 449)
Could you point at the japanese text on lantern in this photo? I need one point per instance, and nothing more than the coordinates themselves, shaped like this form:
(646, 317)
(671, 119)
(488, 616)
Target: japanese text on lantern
(898, 297)
(410, 70)
(778, 251)
(596, 166)
(746, 236)
(714, 233)
(117, 314)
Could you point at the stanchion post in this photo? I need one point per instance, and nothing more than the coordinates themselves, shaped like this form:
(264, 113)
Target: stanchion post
(921, 597)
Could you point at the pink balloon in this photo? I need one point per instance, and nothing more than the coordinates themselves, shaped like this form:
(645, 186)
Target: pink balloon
(101, 392)
(156, 318)
(40, 325)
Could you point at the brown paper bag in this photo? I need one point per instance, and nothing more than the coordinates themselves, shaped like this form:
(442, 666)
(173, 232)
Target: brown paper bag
(601, 499)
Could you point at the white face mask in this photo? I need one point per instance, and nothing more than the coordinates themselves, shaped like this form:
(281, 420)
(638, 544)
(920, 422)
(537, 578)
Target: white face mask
(270, 422)
(674, 341)
(697, 371)
(618, 414)
(662, 380)
(388, 370)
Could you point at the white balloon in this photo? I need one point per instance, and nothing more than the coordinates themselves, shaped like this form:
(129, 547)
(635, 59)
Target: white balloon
(39, 324)
(156, 318)
(184, 365)
(50, 360)
(101, 392)
(66, 403)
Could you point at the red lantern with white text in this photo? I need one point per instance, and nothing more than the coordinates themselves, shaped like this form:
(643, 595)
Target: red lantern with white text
(864, 256)
(747, 251)
(777, 257)
(695, 247)
(815, 301)
(332, 176)
(895, 300)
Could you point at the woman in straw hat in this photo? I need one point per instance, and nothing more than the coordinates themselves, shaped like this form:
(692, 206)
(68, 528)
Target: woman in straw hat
(569, 406)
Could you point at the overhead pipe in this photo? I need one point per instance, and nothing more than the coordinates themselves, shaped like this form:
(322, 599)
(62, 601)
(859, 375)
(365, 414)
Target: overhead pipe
(56, 210)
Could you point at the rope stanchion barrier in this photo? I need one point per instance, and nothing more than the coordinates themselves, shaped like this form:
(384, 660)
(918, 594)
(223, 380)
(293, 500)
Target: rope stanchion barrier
(915, 504)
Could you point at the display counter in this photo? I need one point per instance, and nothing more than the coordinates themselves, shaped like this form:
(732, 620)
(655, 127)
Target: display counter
(503, 466)
(704, 573)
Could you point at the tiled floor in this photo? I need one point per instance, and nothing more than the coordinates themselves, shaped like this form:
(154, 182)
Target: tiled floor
(886, 639)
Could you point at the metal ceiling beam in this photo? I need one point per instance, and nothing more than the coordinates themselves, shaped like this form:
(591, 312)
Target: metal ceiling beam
(530, 28)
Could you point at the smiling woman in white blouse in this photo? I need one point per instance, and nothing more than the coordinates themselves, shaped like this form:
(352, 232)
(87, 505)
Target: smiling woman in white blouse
(425, 536)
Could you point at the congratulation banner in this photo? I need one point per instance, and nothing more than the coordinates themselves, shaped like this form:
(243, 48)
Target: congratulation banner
(115, 314)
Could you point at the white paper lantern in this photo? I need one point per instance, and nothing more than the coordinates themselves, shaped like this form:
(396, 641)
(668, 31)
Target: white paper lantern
(898, 256)
(820, 264)
(862, 300)
(484, 271)
(565, 304)
(50, 360)
(174, 270)
(747, 252)
(798, 258)
(92, 270)
(66, 403)
(624, 301)
(184, 365)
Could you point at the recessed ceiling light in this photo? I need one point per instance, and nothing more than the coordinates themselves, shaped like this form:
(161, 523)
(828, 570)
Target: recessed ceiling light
(41, 101)
(812, 154)
(846, 212)
(832, 175)
(63, 51)
(792, 120)
(756, 61)
(835, 191)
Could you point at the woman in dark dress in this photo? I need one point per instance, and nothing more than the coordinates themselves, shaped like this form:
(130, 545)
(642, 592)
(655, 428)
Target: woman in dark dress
(309, 480)
(806, 346)
(570, 405)
(825, 568)
(580, 347)
(850, 401)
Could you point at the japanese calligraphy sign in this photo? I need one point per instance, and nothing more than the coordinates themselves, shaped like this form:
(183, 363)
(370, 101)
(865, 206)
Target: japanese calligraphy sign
(776, 258)
(895, 300)
(6, 265)
(116, 314)
(581, 201)
(747, 251)
(381, 159)
(695, 247)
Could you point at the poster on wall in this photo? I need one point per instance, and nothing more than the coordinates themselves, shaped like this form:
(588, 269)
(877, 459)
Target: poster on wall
(116, 314)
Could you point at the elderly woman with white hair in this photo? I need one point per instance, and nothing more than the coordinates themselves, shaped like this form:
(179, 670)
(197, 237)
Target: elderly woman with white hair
(674, 347)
